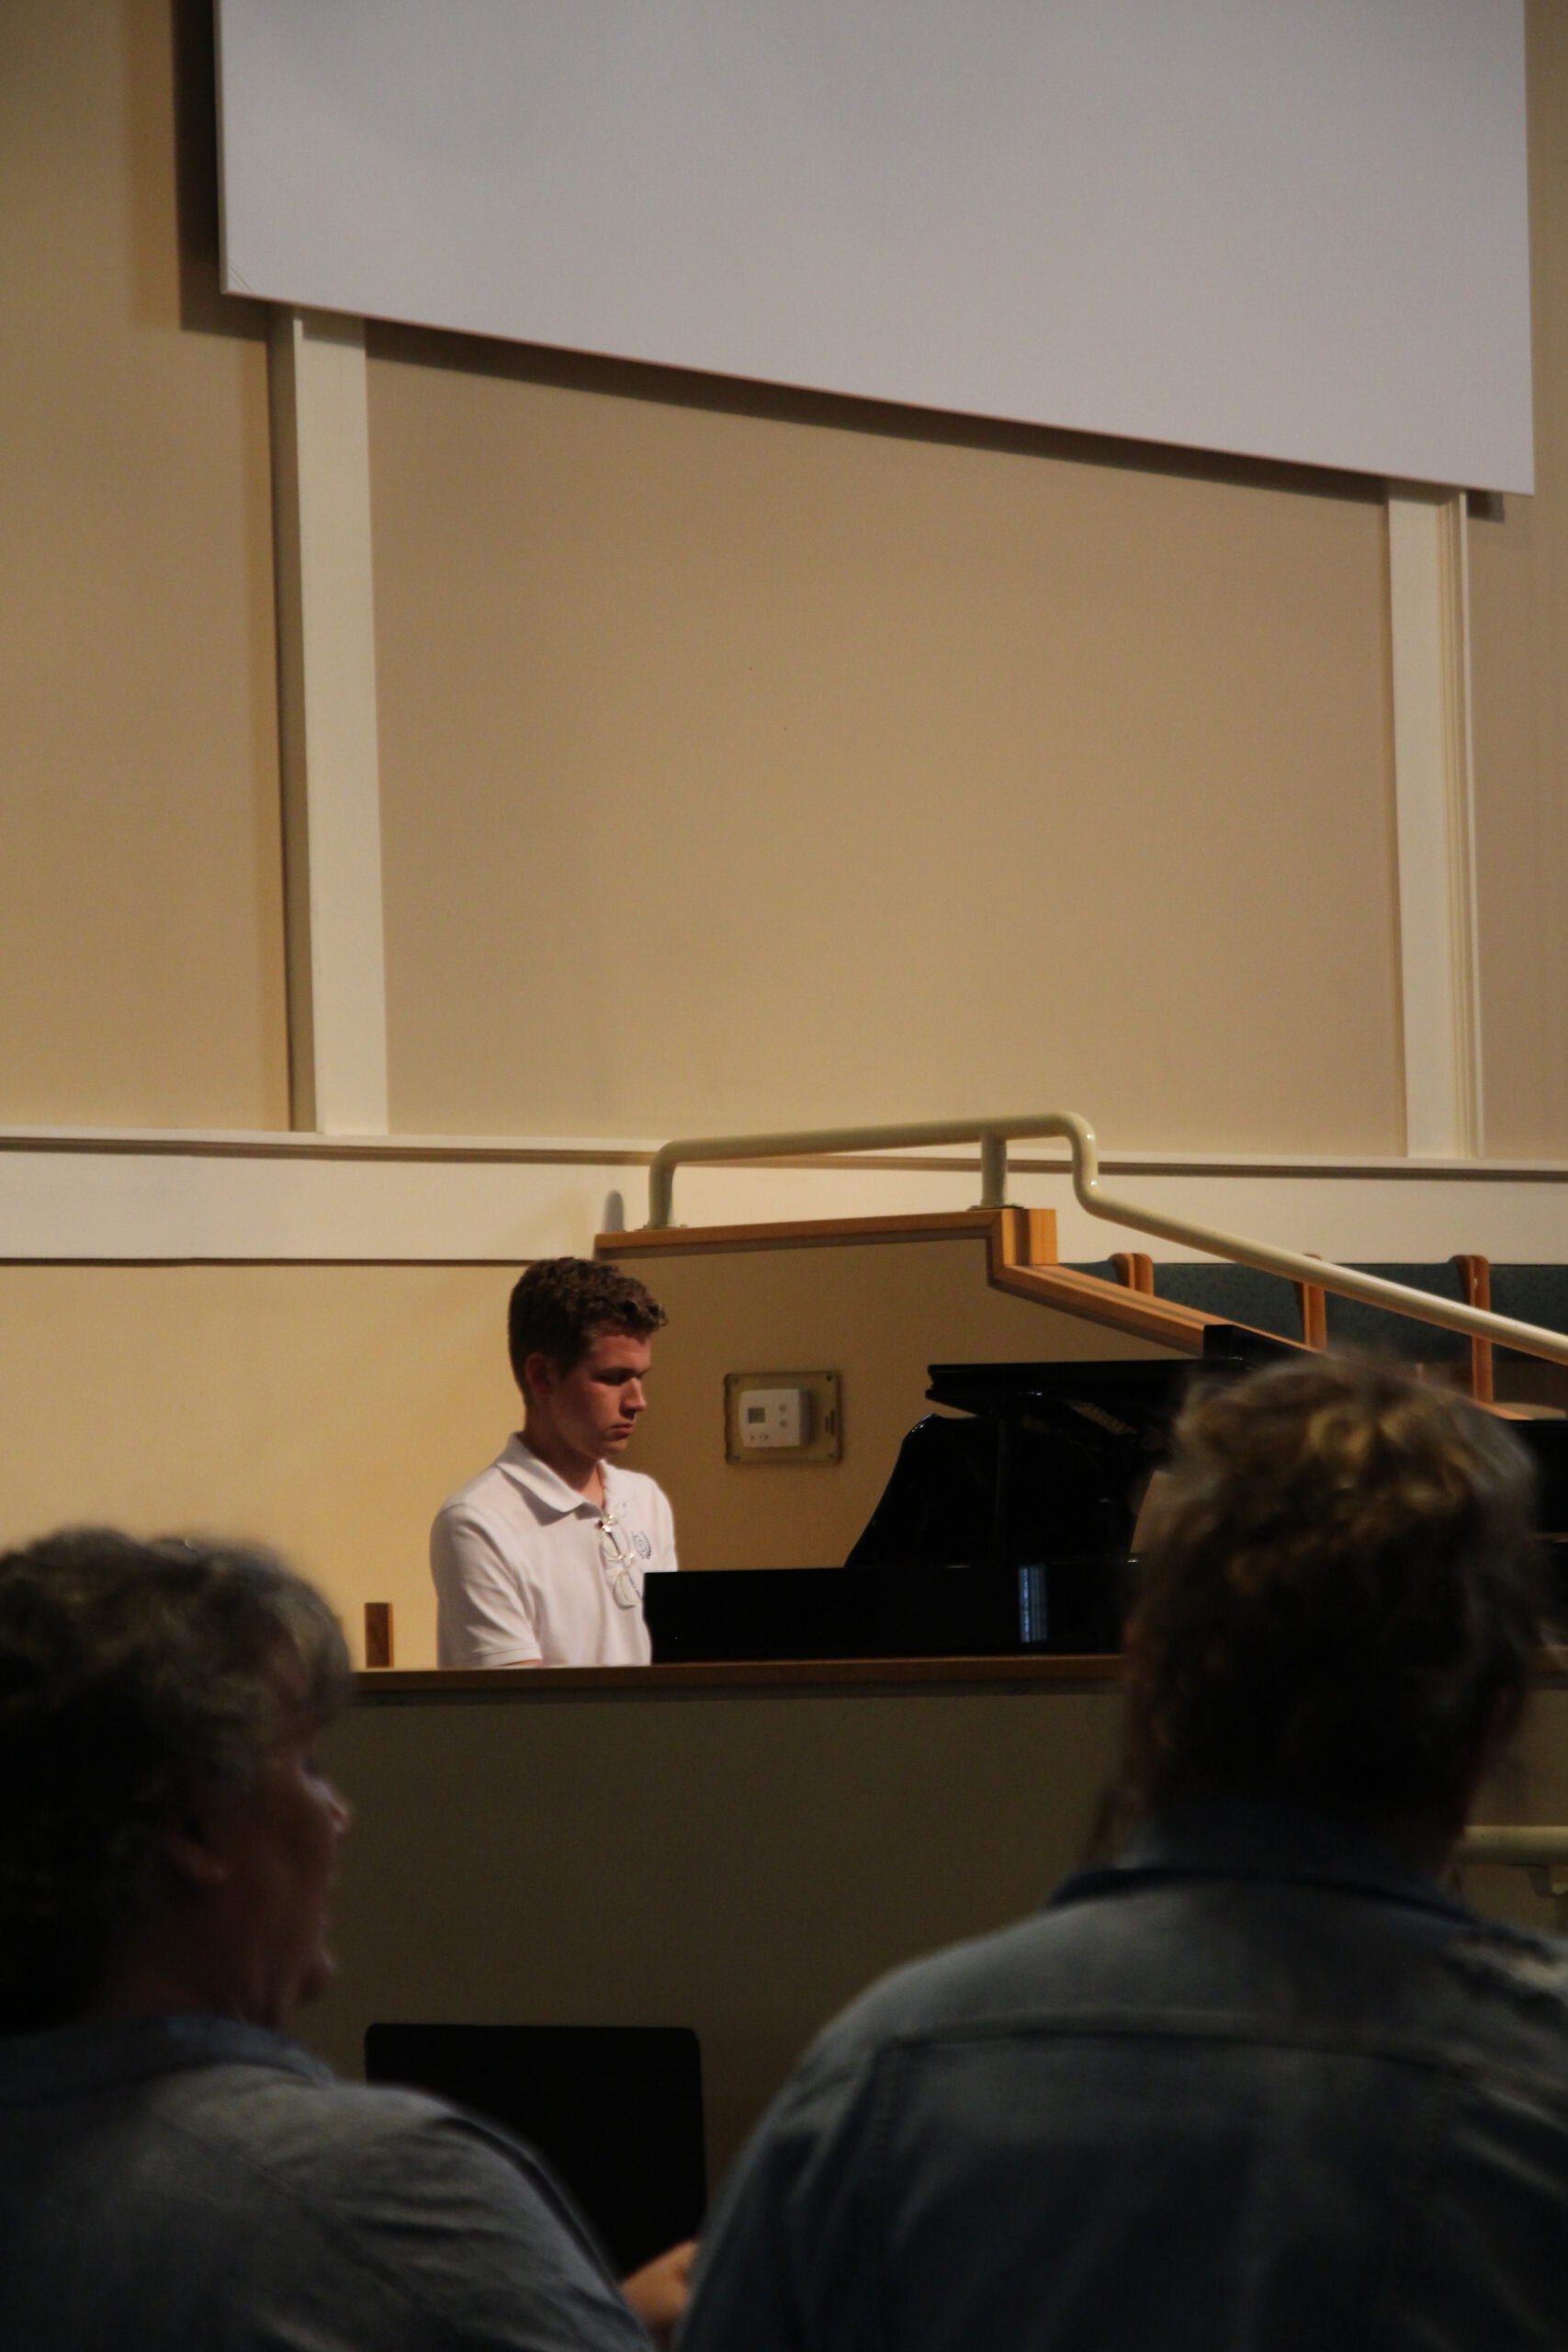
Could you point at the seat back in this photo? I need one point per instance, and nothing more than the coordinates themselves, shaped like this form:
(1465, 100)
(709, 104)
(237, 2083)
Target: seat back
(615, 2110)
(1266, 1302)
(1373, 1331)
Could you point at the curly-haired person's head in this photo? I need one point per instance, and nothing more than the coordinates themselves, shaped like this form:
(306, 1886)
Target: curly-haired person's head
(1338, 1600)
(140, 1683)
(560, 1305)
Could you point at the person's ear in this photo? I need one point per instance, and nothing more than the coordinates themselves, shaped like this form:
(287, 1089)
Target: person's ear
(540, 1374)
(193, 1855)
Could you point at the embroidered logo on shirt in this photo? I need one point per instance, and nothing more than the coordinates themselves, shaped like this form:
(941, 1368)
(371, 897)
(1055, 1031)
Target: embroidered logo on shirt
(643, 1546)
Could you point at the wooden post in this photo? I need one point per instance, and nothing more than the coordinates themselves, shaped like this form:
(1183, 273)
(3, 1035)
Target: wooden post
(377, 1632)
(1134, 1271)
(1475, 1284)
(1313, 1301)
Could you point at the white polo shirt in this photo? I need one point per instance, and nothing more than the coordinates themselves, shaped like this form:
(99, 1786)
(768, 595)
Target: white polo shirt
(524, 1574)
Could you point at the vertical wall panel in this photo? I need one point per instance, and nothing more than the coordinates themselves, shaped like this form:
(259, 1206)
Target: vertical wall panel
(1519, 572)
(141, 919)
(806, 765)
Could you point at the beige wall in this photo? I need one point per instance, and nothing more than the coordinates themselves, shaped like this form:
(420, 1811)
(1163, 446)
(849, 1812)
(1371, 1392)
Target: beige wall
(741, 1862)
(747, 756)
(738, 1862)
(792, 762)
(140, 921)
(898, 762)
(323, 1410)
(1519, 650)
(875, 1313)
(328, 1409)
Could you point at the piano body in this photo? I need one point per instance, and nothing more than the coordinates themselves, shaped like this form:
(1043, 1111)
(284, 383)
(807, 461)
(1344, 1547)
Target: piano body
(1005, 1527)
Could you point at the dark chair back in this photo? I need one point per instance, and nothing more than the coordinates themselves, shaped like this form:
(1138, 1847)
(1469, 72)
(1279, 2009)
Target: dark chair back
(616, 2111)
(1239, 1294)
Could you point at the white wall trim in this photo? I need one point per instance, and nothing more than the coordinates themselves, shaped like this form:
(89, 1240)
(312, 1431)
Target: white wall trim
(618, 1151)
(163, 1198)
(337, 997)
(1441, 998)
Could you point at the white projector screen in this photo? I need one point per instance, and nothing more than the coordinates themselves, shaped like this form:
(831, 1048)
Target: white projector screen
(1295, 229)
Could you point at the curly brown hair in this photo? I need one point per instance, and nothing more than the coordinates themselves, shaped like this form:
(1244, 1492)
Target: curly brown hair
(135, 1679)
(1338, 1599)
(560, 1306)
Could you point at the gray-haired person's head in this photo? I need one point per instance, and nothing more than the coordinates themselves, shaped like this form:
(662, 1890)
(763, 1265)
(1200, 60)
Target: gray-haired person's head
(137, 1680)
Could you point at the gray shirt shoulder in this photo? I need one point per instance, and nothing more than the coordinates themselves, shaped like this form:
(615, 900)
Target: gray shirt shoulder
(238, 2196)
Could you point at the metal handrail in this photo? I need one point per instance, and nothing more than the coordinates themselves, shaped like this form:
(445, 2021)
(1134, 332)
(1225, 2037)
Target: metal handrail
(1541, 1854)
(993, 1136)
(1526, 1846)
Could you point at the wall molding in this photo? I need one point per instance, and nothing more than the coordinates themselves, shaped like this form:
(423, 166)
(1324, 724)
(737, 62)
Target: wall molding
(234, 1143)
(330, 748)
(88, 1197)
(1434, 802)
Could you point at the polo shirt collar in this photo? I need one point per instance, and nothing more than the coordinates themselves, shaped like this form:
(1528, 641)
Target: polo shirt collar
(547, 1486)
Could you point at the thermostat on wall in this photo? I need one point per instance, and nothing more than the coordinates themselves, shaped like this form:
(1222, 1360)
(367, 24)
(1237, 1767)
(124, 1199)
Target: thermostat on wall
(774, 1418)
(782, 1417)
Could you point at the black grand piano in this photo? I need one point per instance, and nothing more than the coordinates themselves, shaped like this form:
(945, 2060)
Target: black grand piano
(1007, 1525)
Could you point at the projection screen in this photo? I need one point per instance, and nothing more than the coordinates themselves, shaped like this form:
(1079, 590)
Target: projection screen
(1297, 229)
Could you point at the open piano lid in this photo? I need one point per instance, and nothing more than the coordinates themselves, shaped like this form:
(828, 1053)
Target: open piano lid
(1050, 1460)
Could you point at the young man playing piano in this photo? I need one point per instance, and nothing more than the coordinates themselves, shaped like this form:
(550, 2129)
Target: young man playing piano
(540, 1560)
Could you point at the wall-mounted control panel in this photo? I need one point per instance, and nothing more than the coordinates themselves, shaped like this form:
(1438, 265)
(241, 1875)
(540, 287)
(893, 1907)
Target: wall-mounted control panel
(778, 1419)
(777, 1416)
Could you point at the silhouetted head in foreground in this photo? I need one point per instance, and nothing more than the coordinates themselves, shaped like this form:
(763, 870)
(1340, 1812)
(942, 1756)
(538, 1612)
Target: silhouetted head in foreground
(1338, 1600)
(167, 1840)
